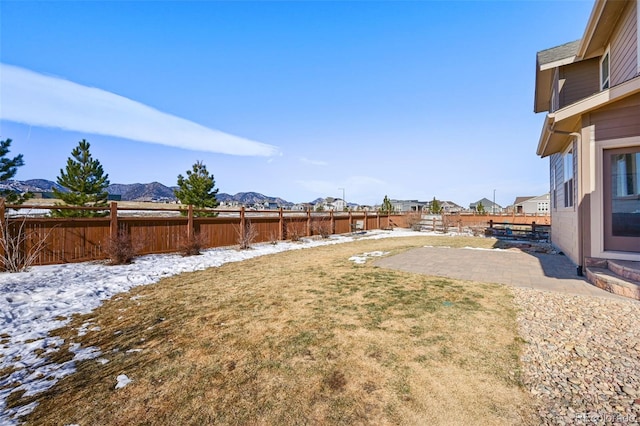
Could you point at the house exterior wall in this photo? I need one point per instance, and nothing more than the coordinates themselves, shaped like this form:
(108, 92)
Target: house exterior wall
(620, 120)
(564, 220)
(564, 234)
(616, 126)
(624, 46)
(578, 230)
(578, 81)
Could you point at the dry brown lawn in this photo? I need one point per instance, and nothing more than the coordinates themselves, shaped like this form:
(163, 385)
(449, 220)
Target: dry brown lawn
(301, 337)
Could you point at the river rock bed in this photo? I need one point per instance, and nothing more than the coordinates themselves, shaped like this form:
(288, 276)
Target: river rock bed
(581, 359)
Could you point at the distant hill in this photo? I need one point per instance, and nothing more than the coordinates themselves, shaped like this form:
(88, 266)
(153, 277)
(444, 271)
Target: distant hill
(250, 198)
(33, 185)
(154, 191)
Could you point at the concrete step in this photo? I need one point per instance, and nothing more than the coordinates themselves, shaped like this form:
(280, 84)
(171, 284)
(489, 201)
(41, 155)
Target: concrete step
(610, 281)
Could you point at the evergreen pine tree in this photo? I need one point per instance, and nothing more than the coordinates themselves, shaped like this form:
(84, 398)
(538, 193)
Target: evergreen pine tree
(386, 206)
(435, 206)
(8, 169)
(198, 189)
(480, 208)
(86, 181)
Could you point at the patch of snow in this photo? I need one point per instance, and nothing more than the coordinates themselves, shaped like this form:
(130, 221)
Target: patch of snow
(123, 381)
(362, 258)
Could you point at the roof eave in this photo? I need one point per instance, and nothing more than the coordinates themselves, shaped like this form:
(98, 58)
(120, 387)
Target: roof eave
(568, 118)
(604, 15)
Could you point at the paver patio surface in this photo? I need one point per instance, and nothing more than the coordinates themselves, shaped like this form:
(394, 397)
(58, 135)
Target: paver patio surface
(552, 272)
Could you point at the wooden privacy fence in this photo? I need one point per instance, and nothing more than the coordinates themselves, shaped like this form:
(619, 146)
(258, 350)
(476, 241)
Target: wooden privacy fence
(65, 240)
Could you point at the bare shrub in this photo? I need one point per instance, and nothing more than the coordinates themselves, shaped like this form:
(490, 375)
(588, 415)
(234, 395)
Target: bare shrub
(413, 220)
(192, 246)
(16, 254)
(120, 249)
(445, 223)
(294, 234)
(247, 236)
(274, 237)
(322, 226)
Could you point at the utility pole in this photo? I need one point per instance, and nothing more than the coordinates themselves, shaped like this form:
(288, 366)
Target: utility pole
(345, 201)
(494, 202)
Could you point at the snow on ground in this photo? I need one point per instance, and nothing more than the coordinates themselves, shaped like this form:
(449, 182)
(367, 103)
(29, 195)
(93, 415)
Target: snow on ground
(362, 258)
(35, 302)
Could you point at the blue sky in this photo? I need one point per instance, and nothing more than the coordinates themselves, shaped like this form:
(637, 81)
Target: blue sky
(294, 99)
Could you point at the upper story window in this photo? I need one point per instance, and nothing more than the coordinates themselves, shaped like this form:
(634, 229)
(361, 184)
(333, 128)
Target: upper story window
(605, 70)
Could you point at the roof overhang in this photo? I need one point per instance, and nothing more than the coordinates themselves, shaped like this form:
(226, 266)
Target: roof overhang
(601, 23)
(557, 126)
(547, 62)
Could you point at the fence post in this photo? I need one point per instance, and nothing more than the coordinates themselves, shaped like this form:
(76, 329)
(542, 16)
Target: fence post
(308, 223)
(366, 228)
(113, 217)
(491, 223)
(242, 230)
(333, 222)
(190, 225)
(533, 227)
(281, 225)
(350, 221)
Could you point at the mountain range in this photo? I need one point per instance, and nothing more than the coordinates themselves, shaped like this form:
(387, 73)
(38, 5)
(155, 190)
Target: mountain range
(153, 191)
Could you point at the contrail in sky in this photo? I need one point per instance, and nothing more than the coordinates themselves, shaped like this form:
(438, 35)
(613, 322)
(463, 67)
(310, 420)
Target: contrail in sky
(39, 100)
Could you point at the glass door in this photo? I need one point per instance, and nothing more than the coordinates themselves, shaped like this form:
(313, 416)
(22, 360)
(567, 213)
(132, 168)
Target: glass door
(622, 199)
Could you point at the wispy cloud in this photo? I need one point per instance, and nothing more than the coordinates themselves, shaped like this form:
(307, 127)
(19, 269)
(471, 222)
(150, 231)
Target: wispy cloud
(314, 162)
(40, 100)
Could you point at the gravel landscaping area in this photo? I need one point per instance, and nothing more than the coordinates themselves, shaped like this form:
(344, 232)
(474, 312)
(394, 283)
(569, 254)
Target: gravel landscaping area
(581, 358)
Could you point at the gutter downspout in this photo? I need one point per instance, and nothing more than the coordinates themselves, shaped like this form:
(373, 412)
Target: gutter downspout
(578, 139)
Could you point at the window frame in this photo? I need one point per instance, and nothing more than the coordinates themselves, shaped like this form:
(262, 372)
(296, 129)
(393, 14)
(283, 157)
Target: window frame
(554, 184)
(568, 173)
(605, 83)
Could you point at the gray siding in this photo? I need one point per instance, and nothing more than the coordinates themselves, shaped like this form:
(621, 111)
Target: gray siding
(580, 81)
(624, 49)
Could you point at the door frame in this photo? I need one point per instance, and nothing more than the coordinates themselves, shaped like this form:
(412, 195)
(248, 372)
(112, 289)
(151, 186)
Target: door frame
(597, 197)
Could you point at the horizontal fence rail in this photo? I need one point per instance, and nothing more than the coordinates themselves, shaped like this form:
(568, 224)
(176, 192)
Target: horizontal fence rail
(168, 230)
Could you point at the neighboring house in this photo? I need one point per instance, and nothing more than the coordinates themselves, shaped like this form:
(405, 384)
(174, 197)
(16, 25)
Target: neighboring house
(450, 207)
(590, 89)
(403, 206)
(532, 205)
(488, 205)
(338, 205)
(302, 207)
(271, 205)
(330, 204)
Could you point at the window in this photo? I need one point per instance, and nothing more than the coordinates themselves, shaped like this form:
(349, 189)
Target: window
(553, 186)
(568, 178)
(543, 207)
(605, 70)
(625, 175)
